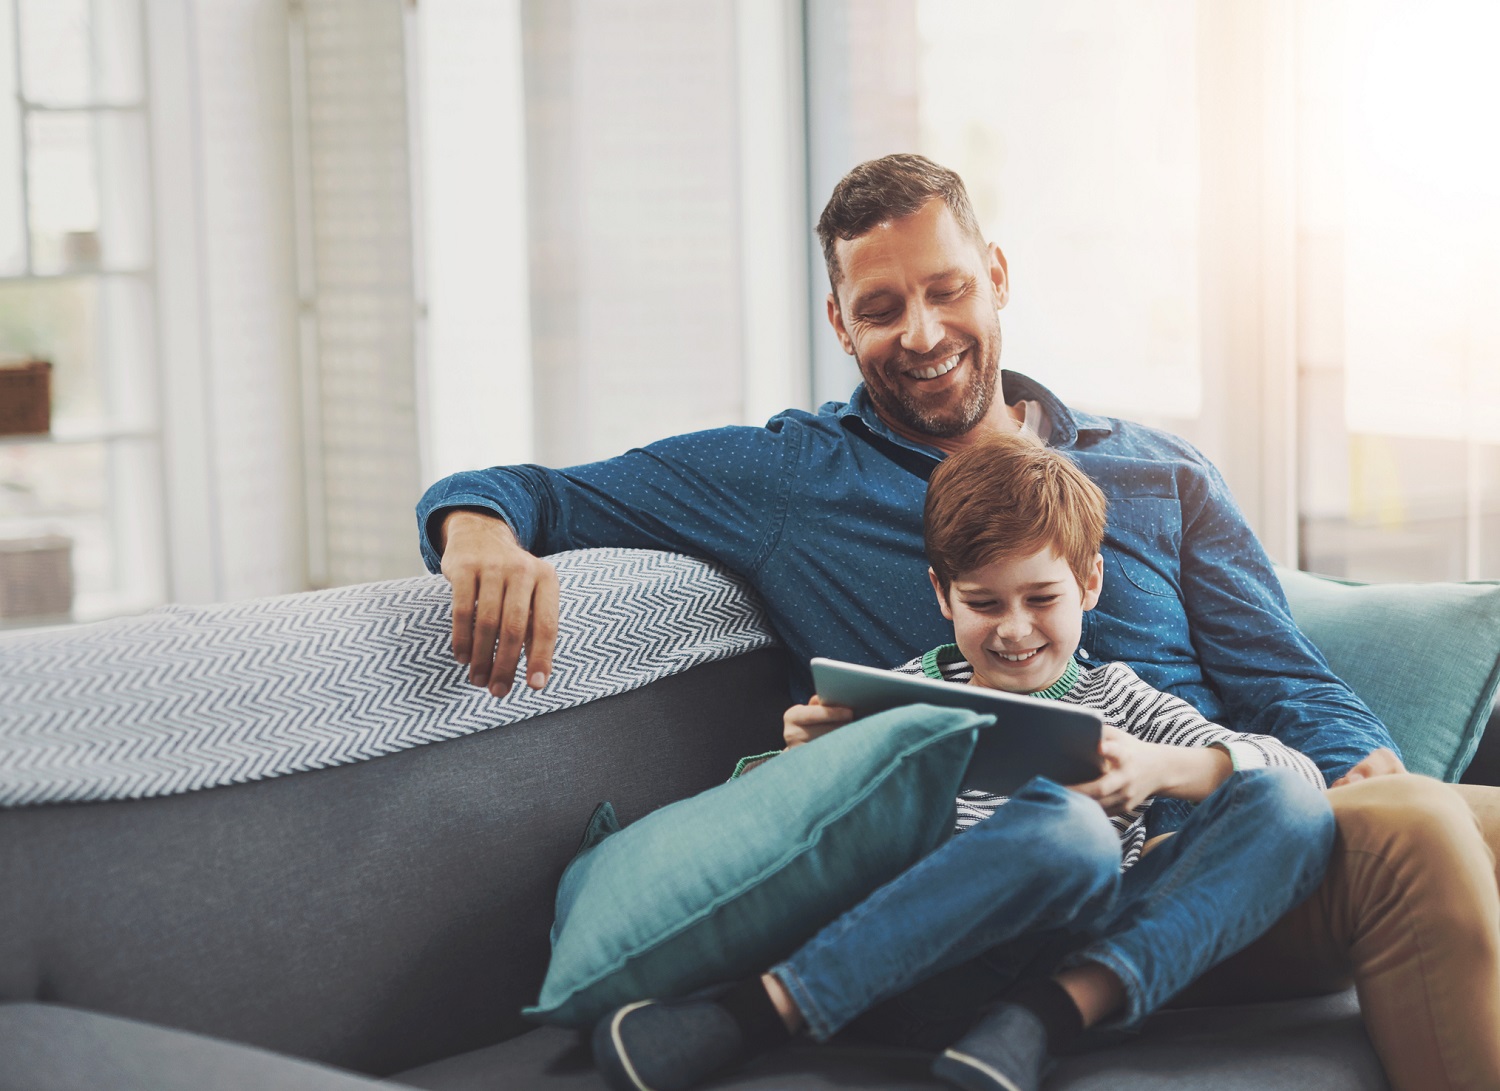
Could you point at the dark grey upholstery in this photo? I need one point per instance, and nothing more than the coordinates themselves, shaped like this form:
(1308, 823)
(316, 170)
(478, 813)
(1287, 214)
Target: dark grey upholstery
(391, 916)
(47, 1047)
(374, 916)
(1317, 1044)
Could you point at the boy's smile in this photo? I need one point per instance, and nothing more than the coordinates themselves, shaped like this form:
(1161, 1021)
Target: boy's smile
(1018, 620)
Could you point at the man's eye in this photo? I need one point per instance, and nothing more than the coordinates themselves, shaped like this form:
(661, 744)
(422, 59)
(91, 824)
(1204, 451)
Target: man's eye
(880, 318)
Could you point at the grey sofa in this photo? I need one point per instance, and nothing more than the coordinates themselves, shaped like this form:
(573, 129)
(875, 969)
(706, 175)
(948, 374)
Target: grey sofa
(384, 919)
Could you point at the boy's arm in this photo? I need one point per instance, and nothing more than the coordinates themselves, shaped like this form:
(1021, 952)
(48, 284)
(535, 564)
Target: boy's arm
(1136, 770)
(1157, 717)
(799, 724)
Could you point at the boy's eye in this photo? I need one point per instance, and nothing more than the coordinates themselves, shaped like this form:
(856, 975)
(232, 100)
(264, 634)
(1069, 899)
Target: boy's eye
(1044, 600)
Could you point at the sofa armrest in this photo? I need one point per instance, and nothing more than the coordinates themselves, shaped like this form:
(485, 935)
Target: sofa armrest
(52, 1047)
(1485, 768)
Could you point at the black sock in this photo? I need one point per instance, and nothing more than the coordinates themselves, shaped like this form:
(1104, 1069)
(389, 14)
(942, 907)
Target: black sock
(749, 1005)
(1054, 1008)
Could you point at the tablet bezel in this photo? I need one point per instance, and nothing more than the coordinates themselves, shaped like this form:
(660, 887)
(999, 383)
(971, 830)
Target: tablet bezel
(1030, 736)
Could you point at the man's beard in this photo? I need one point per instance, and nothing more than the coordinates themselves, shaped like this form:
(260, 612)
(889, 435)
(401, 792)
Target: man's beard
(895, 403)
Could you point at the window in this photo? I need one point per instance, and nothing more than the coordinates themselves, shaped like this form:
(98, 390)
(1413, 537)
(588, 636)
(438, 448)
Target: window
(1399, 256)
(77, 290)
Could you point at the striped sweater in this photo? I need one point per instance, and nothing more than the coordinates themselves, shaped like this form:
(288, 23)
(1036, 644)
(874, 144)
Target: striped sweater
(1133, 706)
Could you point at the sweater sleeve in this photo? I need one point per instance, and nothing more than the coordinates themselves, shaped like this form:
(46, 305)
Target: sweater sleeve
(1157, 717)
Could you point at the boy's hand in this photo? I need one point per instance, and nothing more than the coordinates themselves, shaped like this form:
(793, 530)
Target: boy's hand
(1130, 772)
(1135, 769)
(804, 723)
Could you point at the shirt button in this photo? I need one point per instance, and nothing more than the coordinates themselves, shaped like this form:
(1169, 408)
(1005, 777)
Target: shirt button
(1083, 653)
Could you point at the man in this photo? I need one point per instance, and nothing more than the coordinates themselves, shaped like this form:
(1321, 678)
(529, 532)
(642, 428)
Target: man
(821, 513)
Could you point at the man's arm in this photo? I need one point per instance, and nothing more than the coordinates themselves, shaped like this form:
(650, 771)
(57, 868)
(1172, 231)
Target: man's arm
(1271, 678)
(717, 494)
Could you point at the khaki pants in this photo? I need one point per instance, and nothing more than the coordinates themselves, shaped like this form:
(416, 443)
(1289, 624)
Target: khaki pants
(1409, 911)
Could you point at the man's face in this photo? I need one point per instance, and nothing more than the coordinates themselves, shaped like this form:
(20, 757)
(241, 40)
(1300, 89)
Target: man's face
(917, 309)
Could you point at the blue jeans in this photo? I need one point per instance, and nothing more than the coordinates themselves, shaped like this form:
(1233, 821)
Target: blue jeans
(1040, 882)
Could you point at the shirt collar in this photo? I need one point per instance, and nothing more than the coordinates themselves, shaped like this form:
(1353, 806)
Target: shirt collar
(1067, 425)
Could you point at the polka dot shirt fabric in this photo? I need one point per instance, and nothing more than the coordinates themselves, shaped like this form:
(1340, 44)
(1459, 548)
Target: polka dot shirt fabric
(822, 514)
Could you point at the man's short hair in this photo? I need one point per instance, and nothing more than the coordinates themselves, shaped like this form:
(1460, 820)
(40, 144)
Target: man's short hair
(1007, 495)
(885, 189)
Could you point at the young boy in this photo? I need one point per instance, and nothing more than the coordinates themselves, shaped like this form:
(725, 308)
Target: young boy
(1048, 914)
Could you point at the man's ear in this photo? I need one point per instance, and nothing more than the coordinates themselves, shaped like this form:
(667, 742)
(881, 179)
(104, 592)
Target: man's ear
(937, 589)
(836, 320)
(1095, 583)
(999, 274)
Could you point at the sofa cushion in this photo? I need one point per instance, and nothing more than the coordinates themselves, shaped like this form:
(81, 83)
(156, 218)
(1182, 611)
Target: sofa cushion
(374, 916)
(722, 885)
(1425, 658)
(1284, 1046)
(51, 1047)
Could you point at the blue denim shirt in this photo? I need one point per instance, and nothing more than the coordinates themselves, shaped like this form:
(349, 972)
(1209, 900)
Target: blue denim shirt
(822, 515)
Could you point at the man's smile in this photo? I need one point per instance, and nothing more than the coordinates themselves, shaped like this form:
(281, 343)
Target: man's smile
(933, 372)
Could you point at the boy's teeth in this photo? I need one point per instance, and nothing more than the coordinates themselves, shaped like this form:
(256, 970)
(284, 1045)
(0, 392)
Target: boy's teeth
(1018, 658)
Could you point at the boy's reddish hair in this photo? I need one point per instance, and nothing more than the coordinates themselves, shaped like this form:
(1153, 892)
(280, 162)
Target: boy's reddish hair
(1007, 495)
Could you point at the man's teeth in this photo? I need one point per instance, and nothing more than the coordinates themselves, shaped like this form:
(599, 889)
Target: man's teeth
(1021, 658)
(942, 369)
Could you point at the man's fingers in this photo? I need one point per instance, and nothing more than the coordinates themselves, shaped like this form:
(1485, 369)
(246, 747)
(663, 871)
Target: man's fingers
(463, 616)
(541, 639)
(486, 620)
(515, 617)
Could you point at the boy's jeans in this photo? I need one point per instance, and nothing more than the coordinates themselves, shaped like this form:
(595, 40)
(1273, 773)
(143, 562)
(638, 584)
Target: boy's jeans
(1041, 876)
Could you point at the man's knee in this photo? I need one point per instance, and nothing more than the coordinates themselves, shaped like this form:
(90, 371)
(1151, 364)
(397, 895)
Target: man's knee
(1411, 841)
(1404, 813)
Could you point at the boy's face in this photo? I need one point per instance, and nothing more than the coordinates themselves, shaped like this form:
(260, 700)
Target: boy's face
(1018, 619)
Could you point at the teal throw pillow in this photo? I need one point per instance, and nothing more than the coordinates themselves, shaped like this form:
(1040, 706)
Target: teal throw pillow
(1424, 656)
(725, 884)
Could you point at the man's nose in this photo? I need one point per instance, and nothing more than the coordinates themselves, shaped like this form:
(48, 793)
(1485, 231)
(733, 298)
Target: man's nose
(924, 329)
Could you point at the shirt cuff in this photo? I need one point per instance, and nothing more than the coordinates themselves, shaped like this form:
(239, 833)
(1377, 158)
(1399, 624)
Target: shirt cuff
(1242, 755)
(754, 761)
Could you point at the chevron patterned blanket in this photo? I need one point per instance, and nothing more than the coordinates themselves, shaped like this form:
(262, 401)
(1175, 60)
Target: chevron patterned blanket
(194, 697)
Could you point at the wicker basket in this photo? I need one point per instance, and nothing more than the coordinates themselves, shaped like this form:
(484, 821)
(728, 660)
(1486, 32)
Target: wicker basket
(36, 578)
(25, 398)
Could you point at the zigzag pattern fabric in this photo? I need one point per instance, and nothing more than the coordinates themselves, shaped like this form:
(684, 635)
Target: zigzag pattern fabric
(188, 698)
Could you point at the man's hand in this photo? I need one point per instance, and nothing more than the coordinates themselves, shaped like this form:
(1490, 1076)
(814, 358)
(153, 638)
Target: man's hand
(504, 599)
(804, 723)
(1135, 770)
(1378, 763)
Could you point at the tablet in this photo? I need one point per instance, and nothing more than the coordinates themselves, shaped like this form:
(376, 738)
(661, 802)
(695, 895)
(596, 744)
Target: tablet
(1030, 736)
